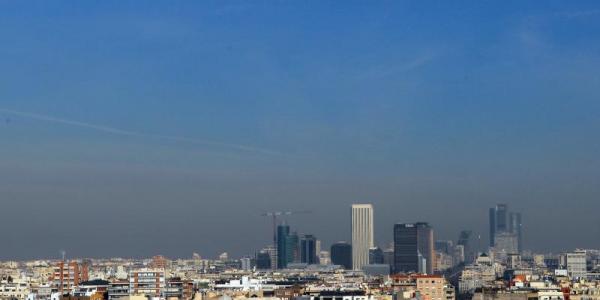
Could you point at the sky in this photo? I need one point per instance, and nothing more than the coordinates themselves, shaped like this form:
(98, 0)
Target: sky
(168, 127)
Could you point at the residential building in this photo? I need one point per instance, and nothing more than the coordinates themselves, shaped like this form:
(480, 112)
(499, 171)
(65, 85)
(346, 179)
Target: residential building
(148, 282)
(68, 274)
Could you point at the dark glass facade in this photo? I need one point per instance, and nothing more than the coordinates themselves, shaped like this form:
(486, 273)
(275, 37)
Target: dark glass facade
(308, 250)
(283, 231)
(341, 255)
(412, 241)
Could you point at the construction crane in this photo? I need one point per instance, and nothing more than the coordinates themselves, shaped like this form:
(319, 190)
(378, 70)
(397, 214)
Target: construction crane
(276, 214)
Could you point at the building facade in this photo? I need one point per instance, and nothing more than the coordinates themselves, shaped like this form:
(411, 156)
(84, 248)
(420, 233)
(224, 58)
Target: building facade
(68, 274)
(341, 255)
(362, 234)
(413, 248)
(147, 282)
(308, 250)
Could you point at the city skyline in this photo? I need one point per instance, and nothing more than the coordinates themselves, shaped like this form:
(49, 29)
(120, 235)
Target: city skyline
(425, 240)
(171, 128)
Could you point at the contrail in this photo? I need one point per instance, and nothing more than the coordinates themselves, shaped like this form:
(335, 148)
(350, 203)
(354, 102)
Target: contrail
(117, 131)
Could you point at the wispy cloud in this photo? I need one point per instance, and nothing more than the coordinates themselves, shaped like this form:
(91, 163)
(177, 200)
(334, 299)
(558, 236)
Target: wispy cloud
(390, 70)
(123, 132)
(580, 13)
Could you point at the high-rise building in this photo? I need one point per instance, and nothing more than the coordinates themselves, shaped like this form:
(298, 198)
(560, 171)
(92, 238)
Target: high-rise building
(465, 239)
(459, 254)
(308, 250)
(506, 242)
(341, 255)
(413, 248)
(68, 274)
(515, 228)
(362, 234)
(498, 221)
(388, 256)
(283, 231)
(263, 260)
(375, 256)
(292, 248)
(444, 246)
(405, 248)
(272, 251)
(502, 221)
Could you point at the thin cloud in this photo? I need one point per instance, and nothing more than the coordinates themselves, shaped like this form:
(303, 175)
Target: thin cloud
(579, 14)
(123, 132)
(385, 71)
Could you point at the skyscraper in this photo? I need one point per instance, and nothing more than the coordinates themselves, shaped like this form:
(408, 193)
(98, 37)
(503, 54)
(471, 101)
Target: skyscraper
(308, 250)
(504, 223)
(465, 239)
(283, 231)
(405, 248)
(498, 221)
(413, 248)
(341, 255)
(515, 228)
(362, 234)
(292, 248)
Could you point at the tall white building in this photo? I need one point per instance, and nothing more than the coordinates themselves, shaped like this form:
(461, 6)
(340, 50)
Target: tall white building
(362, 234)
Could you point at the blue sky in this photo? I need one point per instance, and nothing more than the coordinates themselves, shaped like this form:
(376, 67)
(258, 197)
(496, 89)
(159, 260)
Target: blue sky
(197, 113)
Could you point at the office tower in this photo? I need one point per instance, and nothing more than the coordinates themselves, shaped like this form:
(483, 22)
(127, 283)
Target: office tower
(388, 256)
(375, 256)
(444, 246)
(272, 251)
(505, 243)
(459, 254)
(68, 274)
(492, 218)
(148, 282)
(515, 228)
(292, 248)
(263, 260)
(465, 239)
(425, 244)
(308, 250)
(501, 222)
(283, 231)
(405, 248)
(362, 234)
(413, 248)
(498, 221)
(341, 255)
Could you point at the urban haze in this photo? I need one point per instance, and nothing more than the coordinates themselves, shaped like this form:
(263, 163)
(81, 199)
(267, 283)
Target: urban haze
(133, 129)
